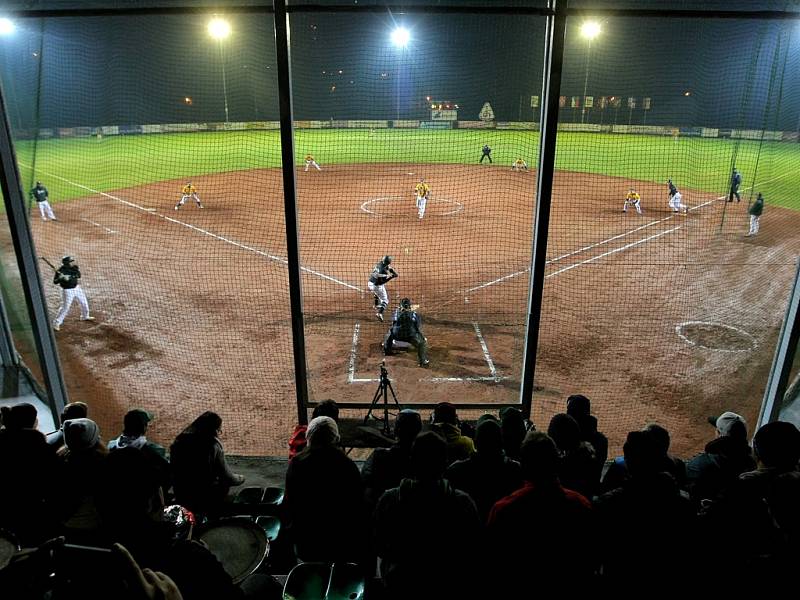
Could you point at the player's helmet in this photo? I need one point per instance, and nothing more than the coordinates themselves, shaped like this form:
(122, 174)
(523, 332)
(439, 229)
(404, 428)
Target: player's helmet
(387, 260)
(405, 303)
(38, 183)
(66, 260)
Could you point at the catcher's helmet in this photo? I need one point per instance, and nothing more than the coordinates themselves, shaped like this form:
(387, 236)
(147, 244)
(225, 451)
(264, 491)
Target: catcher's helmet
(387, 260)
(405, 303)
(66, 260)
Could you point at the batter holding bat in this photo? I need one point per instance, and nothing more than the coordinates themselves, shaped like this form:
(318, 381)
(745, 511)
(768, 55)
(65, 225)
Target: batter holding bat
(381, 274)
(67, 276)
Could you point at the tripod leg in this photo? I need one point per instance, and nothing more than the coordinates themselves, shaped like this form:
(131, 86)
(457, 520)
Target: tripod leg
(374, 403)
(394, 396)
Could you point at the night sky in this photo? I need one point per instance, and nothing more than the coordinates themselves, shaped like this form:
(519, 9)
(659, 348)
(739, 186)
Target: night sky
(134, 70)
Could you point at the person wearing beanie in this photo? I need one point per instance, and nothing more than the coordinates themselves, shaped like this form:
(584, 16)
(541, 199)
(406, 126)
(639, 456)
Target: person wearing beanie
(81, 434)
(386, 467)
(324, 500)
(73, 410)
(513, 427)
(297, 441)
(489, 474)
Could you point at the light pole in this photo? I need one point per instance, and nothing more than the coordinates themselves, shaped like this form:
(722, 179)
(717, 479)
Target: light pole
(400, 38)
(589, 31)
(220, 29)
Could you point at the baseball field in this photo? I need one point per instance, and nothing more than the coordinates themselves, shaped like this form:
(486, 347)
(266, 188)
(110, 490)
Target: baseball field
(659, 317)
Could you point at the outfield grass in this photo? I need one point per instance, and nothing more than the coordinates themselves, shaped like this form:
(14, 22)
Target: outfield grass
(123, 161)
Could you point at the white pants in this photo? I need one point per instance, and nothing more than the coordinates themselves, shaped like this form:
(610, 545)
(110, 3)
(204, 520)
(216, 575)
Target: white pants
(675, 203)
(753, 225)
(422, 202)
(637, 204)
(46, 210)
(194, 197)
(67, 296)
(380, 292)
(312, 163)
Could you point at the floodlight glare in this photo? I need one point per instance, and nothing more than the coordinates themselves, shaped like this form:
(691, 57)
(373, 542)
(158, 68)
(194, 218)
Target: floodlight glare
(401, 37)
(218, 28)
(590, 29)
(6, 26)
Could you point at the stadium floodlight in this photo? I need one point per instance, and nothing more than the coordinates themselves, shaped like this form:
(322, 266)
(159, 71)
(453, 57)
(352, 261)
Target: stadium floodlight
(218, 28)
(6, 26)
(589, 31)
(400, 37)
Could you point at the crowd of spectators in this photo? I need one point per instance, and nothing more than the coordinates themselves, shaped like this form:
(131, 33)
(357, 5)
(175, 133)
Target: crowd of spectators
(498, 513)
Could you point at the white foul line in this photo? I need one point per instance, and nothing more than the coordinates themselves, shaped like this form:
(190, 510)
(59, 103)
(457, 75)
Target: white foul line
(492, 370)
(203, 231)
(352, 366)
(100, 226)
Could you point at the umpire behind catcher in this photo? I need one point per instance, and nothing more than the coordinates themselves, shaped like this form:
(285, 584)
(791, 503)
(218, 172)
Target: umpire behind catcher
(407, 327)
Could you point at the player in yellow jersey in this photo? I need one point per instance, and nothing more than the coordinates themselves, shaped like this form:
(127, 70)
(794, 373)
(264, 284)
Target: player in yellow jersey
(310, 162)
(189, 191)
(519, 165)
(422, 192)
(634, 200)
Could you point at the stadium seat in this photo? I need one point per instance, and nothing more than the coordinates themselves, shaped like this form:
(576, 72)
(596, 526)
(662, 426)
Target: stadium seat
(324, 581)
(270, 525)
(273, 496)
(250, 495)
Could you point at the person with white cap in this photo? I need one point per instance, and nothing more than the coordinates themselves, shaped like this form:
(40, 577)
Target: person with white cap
(723, 460)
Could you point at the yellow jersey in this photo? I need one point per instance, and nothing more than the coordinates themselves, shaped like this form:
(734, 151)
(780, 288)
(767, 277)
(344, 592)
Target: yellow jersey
(520, 163)
(422, 189)
(309, 158)
(189, 189)
(632, 197)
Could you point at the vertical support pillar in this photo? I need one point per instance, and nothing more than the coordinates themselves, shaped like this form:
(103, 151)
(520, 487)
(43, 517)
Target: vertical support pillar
(784, 358)
(17, 214)
(290, 207)
(551, 86)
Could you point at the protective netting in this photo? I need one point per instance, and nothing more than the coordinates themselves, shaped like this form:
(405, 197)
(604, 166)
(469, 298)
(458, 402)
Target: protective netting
(657, 316)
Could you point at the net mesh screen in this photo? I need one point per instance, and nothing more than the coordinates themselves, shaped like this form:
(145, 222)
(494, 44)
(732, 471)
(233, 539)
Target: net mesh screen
(657, 316)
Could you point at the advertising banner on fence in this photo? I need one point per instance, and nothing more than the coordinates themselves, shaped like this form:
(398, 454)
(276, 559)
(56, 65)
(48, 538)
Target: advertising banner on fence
(435, 125)
(405, 124)
(528, 125)
(475, 124)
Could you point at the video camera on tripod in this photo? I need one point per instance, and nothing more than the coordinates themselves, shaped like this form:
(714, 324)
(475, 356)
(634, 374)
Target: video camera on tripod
(384, 387)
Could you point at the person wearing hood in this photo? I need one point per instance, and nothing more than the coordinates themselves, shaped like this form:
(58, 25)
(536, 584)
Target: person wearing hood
(426, 530)
(134, 430)
(445, 423)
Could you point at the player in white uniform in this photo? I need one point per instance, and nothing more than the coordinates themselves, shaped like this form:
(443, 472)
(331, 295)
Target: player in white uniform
(381, 274)
(675, 198)
(67, 277)
(422, 192)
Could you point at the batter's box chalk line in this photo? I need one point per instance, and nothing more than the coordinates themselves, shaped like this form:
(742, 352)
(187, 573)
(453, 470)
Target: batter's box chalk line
(373, 205)
(680, 328)
(493, 376)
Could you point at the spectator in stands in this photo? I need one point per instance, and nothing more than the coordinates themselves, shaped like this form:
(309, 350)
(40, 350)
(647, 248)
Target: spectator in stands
(754, 502)
(324, 499)
(386, 467)
(445, 423)
(426, 531)
(79, 480)
(487, 475)
(725, 458)
(579, 408)
(201, 476)
(647, 523)
(27, 473)
(132, 508)
(617, 471)
(73, 410)
(134, 436)
(543, 532)
(513, 428)
(297, 442)
(577, 468)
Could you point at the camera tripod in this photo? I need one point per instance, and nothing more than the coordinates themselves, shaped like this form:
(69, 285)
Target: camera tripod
(384, 385)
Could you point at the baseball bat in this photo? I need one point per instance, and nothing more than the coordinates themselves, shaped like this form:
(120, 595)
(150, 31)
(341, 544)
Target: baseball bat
(48, 263)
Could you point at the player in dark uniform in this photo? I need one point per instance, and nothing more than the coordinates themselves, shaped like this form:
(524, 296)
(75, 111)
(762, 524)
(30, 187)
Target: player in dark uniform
(407, 327)
(42, 196)
(67, 277)
(487, 153)
(736, 181)
(381, 274)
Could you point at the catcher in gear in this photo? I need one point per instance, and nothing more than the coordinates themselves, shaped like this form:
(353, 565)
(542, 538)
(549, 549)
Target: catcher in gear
(634, 200)
(407, 327)
(381, 274)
